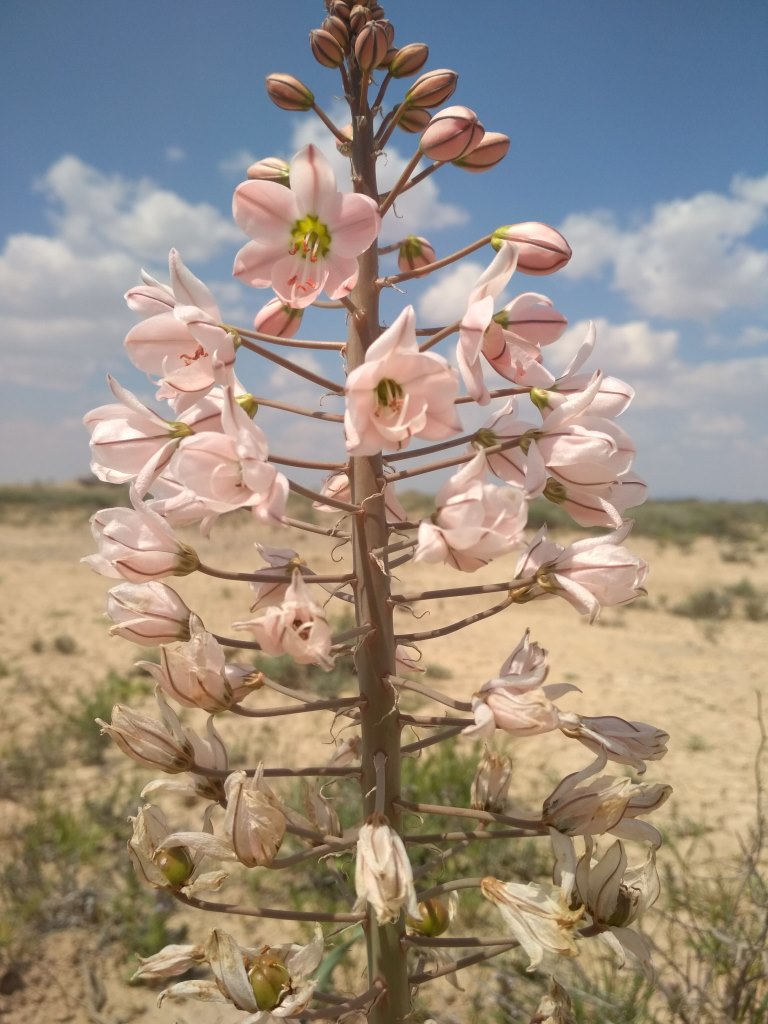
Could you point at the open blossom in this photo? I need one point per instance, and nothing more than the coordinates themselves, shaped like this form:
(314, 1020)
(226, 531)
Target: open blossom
(539, 919)
(137, 544)
(282, 560)
(399, 393)
(297, 627)
(222, 472)
(306, 238)
(475, 522)
(269, 983)
(383, 873)
(148, 613)
(181, 341)
(589, 573)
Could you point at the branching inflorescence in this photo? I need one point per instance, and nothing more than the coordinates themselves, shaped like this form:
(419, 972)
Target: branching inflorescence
(400, 403)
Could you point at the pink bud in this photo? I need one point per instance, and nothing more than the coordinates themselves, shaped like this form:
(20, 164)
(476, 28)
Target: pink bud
(278, 318)
(359, 17)
(389, 29)
(490, 151)
(451, 133)
(414, 121)
(271, 168)
(339, 29)
(288, 92)
(432, 89)
(371, 45)
(340, 9)
(541, 249)
(345, 147)
(408, 60)
(148, 613)
(326, 49)
(415, 252)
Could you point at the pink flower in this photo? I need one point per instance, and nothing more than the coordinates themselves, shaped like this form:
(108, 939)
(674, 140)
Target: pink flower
(306, 238)
(227, 471)
(513, 339)
(541, 249)
(285, 559)
(297, 627)
(475, 522)
(399, 393)
(148, 613)
(589, 573)
(137, 544)
(182, 339)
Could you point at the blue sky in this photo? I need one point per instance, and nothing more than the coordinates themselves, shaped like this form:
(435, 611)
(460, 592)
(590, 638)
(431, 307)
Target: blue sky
(638, 128)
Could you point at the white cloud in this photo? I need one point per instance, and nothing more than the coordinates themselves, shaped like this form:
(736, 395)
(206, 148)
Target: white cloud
(236, 164)
(689, 258)
(61, 306)
(446, 300)
(629, 348)
(93, 213)
(175, 154)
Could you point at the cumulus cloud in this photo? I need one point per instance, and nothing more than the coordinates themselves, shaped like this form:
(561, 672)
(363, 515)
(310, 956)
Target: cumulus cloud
(687, 259)
(61, 293)
(175, 154)
(446, 300)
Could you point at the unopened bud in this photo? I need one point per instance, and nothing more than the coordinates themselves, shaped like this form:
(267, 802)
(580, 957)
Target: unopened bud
(388, 27)
(451, 133)
(248, 403)
(271, 168)
(359, 16)
(340, 9)
(414, 253)
(414, 121)
(432, 89)
(408, 60)
(371, 46)
(345, 148)
(288, 92)
(540, 248)
(278, 318)
(433, 920)
(270, 981)
(326, 49)
(491, 150)
(338, 28)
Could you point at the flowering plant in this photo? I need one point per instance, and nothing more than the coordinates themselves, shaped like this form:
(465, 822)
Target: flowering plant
(402, 411)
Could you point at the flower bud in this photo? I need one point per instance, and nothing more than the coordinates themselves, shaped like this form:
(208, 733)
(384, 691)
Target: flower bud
(148, 613)
(288, 92)
(338, 28)
(491, 783)
(345, 148)
(271, 168)
(491, 150)
(148, 741)
(270, 982)
(371, 46)
(541, 249)
(388, 27)
(278, 318)
(340, 9)
(451, 133)
(408, 60)
(432, 89)
(326, 49)
(413, 121)
(432, 921)
(359, 17)
(415, 252)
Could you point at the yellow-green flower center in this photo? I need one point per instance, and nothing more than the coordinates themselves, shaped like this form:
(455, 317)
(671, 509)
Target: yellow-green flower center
(389, 394)
(310, 238)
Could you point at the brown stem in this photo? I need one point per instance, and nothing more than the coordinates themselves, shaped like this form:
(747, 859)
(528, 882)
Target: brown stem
(430, 741)
(407, 275)
(298, 410)
(441, 698)
(270, 576)
(375, 655)
(324, 531)
(434, 720)
(459, 965)
(431, 449)
(432, 634)
(463, 838)
(271, 912)
(529, 824)
(326, 499)
(275, 339)
(417, 178)
(300, 371)
(336, 704)
(329, 124)
(397, 188)
(287, 460)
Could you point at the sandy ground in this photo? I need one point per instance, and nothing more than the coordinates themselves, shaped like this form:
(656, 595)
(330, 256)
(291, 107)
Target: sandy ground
(695, 679)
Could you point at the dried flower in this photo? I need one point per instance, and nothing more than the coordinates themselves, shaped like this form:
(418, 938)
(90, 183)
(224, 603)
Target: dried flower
(383, 874)
(540, 920)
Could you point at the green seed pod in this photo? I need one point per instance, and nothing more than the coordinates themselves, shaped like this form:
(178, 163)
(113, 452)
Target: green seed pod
(270, 982)
(175, 863)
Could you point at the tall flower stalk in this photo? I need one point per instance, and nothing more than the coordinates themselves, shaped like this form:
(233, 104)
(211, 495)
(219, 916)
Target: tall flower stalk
(317, 246)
